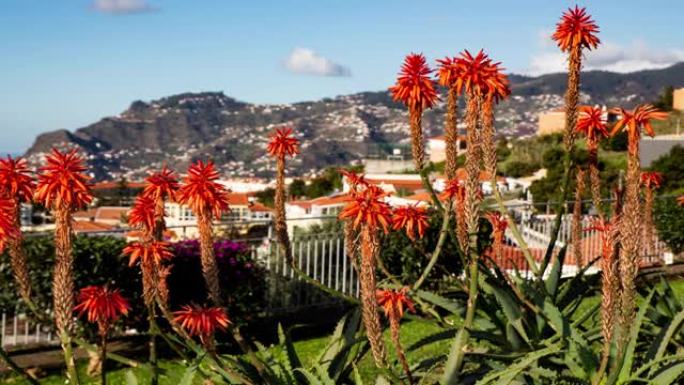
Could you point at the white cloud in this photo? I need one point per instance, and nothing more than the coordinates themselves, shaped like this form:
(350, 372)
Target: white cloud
(609, 57)
(307, 61)
(122, 6)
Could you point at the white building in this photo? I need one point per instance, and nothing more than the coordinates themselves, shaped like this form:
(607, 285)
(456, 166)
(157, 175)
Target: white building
(243, 209)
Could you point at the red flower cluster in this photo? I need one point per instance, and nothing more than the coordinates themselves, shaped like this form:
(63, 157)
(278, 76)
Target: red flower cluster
(62, 181)
(202, 322)
(201, 192)
(101, 304)
(576, 29)
(283, 143)
(143, 213)
(367, 207)
(651, 179)
(156, 251)
(16, 180)
(413, 219)
(414, 87)
(591, 123)
(393, 302)
(161, 185)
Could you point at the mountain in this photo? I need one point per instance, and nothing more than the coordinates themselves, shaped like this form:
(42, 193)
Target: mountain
(179, 129)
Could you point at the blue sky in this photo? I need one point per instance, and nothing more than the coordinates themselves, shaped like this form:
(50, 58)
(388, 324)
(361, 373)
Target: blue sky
(68, 63)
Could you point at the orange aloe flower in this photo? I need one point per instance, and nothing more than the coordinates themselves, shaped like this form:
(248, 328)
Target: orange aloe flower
(16, 180)
(161, 185)
(474, 73)
(576, 29)
(591, 123)
(63, 182)
(498, 221)
(454, 190)
(413, 219)
(448, 72)
(283, 143)
(497, 83)
(102, 305)
(633, 121)
(156, 251)
(414, 87)
(680, 200)
(355, 180)
(604, 227)
(201, 192)
(7, 228)
(651, 179)
(143, 213)
(202, 322)
(394, 301)
(368, 208)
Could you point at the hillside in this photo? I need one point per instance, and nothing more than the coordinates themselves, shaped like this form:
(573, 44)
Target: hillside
(180, 128)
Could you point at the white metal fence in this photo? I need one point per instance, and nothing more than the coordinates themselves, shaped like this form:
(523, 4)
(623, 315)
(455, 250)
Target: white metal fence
(17, 330)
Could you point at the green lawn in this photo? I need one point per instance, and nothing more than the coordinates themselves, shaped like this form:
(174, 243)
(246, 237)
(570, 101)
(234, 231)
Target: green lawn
(308, 350)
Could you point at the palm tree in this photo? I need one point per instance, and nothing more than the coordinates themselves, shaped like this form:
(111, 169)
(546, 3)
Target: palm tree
(282, 144)
(651, 180)
(593, 126)
(17, 184)
(368, 212)
(63, 187)
(574, 32)
(416, 90)
(633, 122)
(208, 199)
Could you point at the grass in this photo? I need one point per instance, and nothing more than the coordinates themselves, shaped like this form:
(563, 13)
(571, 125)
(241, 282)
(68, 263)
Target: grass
(308, 350)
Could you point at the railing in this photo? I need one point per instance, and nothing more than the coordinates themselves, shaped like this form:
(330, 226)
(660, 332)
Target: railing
(17, 330)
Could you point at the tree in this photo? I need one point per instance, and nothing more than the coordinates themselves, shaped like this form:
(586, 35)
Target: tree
(671, 166)
(665, 99)
(297, 188)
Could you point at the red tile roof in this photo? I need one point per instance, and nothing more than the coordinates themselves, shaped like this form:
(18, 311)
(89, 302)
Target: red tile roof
(91, 227)
(111, 185)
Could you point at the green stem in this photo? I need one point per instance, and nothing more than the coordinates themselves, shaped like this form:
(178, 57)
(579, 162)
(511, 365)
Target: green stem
(103, 358)
(15, 368)
(560, 211)
(514, 228)
(443, 232)
(153, 332)
(425, 178)
(69, 360)
(111, 356)
(458, 348)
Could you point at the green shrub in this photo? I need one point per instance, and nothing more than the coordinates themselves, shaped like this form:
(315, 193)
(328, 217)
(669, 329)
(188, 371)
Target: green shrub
(98, 260)
(669, 220)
